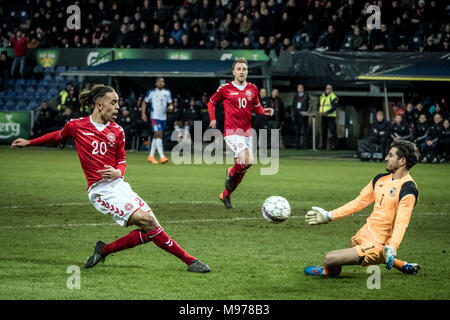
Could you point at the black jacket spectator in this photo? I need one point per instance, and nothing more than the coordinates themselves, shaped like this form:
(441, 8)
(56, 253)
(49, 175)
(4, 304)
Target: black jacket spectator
(421, 130)
(401, 129)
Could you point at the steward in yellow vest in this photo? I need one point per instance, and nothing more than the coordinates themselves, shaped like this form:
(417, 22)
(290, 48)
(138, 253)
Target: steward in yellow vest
(328, 103)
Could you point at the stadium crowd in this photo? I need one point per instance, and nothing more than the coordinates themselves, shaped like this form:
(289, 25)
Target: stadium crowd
(426, 123)
(273, 25)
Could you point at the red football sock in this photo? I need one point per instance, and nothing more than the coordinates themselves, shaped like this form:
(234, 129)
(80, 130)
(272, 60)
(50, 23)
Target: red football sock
(238, 167)
(133, 239)
(162, 240)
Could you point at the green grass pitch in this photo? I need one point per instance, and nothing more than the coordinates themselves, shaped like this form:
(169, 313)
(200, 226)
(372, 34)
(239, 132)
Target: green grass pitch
(47, 224)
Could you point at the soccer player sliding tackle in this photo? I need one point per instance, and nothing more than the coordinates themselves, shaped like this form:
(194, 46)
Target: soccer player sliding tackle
(394, 195)
(100, 144)
(239, 98)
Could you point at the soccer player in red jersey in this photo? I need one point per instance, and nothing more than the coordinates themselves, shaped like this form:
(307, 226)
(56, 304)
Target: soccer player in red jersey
(239, 98)
(100, 144)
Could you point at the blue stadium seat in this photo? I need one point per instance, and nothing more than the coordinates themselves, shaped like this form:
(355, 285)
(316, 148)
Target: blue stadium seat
(10, 96)
(42, 83)
(38, 69)
(60, 69)
(20, 81)
(32, 105)
(41, 90)
(2, 94)
(59, 78)
(30, 89)
(48, 77)
(21, 104)
(53, 92)
(10, 104)
(19, 90)
(31, 82)
(49, 70)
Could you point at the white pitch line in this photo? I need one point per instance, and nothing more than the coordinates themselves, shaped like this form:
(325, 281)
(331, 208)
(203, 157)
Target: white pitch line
(113, 224)
(184, 221)
(69, 204)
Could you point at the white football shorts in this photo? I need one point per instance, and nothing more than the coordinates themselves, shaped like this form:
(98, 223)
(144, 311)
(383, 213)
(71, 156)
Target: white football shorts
(116, 199)
(238, 143)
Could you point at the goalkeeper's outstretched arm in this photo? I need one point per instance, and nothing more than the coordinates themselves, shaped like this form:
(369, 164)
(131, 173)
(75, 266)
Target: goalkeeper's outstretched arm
(318, 215)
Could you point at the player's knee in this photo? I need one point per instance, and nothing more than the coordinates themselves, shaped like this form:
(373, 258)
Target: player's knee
(146, 221)
(330, 259)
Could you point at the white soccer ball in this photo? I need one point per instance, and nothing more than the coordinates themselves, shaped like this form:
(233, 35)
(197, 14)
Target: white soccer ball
(276, 209)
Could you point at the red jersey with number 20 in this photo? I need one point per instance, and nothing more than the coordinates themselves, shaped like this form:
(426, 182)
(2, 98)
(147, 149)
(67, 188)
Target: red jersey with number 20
(97, 145)
(238, 104)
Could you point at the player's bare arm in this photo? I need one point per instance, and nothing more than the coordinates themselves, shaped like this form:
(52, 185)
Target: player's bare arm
(110, 173)
(20, 143)
(143, 113)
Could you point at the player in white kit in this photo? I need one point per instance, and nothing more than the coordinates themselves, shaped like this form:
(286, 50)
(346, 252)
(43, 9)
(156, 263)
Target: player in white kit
(159, 99)
(100, 144)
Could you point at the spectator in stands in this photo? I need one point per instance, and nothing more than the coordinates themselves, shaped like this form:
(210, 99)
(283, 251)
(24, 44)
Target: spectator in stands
(420, 130)
(262, 43)
(380, 134)
(381, 39)
(125, 120)
(73, 103)
(246, 44)
(287, 45)
(19, 43)
(272, 47)
(175, 118)
(261, 121)
(63, 95)
(63, 117)
(308, 32)
(398, 108)
(5, 65)
(359, 40)
(330, 40)
(419, 110)
(276, 121)
(177, 32)
(328, 103)
(400, 130)
(444, 141)
(190, 114)
(429, 147)
(409, 114)
(301, 105)
(122, 37)
(45, 120)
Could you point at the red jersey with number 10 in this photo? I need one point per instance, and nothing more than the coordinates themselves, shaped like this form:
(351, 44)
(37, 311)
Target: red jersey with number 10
(97, 145)
(238, 104)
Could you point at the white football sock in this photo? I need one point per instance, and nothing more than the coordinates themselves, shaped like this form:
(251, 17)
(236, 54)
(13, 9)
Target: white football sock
(159, 147)
(153, 147)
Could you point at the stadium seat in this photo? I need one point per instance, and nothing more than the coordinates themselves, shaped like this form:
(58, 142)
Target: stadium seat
(20, 105)
(19, 90)
(23, 16)
(32, 105)
(48, 77)
(2, 94)
(38, 69)
(53, 92)
(10, 104)
(42, 83)
(60, 69)
(20, 81)
(59, 78)
(31, 82)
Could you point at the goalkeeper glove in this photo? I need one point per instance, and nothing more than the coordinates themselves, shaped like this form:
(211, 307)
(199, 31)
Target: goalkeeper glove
(389, 255)
(318, 216)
